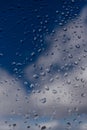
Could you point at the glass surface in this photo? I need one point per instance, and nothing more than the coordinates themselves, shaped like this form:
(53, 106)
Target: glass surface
(43, 65)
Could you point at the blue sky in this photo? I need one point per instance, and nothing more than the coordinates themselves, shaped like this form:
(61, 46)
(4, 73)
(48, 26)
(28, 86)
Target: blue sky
(43, 66)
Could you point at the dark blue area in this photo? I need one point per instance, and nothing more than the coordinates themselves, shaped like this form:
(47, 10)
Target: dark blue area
(23, 25)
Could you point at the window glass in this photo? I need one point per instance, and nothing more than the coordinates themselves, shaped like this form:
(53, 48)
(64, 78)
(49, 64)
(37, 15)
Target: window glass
(43, 65)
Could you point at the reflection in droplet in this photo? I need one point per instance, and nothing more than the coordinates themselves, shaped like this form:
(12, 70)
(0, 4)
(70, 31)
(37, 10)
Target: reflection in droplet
(43, 100)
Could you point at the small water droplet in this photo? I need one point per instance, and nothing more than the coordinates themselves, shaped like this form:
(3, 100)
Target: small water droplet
(83, 94)
(43, 100)
(47, 88)
(54, 91)
(76, 63)
(28, 126)
(35, 76)
(69, 81)
(77, 46)
(70, 56)
(43, 127)
(57, 11)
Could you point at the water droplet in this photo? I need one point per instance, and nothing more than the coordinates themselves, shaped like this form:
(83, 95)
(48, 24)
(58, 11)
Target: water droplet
(33, 53)
(77, 46)
(14, 125)
(68, 123)
(43, 100)
(51, 80)
(76, 63)
(47, 88)
(66, 74)
(65, 29)
(1, 54)
(25, 83)
(83, 68)
(69, 81)
(28, 126)
(42, 73)
(35, 76)
(57, 11)
(70, 56)
(54, 91)
(83, 94)
(43, 127)
(31, 85)
(73, 0)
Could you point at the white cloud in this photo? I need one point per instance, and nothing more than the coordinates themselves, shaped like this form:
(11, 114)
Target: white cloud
(18, 124)
(67, 47)
(83, 126)
(12, 95)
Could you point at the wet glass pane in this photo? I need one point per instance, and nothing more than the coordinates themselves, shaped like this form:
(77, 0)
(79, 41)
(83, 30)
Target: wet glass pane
(43, 65)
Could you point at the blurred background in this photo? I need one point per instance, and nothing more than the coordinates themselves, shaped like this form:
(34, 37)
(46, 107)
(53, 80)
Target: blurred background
(43, 64)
